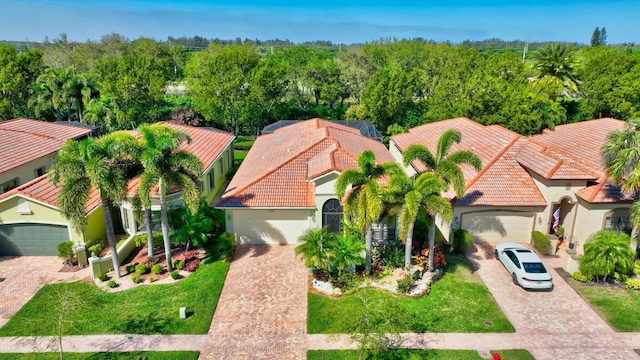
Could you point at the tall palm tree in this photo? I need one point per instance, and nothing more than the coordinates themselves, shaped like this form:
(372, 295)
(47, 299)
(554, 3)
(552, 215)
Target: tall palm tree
(364, 201)
(80, 89)
(93, 163)
(411, 196)
(445, 166)
(555, 65)
(621, 156)
(168, 167)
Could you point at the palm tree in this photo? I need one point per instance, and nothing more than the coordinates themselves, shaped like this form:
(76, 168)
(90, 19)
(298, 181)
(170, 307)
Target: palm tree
(189, 228)
(49, 90)
(168, 168)
(554, 65)
(80, 89)
(346, 251)
(364, 201)
(445, 166)
(103, 111)
(93, 163)
(607, 253)
(314, 247)
(411, 196)
(621, 156)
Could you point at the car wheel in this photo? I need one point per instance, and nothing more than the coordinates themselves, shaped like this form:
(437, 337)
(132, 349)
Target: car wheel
(497, 258)
(515, 278)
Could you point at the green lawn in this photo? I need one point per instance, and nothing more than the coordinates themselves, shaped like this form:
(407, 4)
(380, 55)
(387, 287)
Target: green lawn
(618, 306)
(143, 310)
(244, 142)
(458, 302)
(411, 354)
(151, 355)
(239, 155)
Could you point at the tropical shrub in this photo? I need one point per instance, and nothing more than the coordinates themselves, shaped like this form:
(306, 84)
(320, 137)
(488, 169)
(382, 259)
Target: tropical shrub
(405, 284)
(95, 248)
(225, 246)
(140, 240)
(156, 269)
(153, 260)
(346, 251)
(192, 266)
(346, 281)
(541, 242)
(136, 279)
(175, 275)
(314, 247)
(179, 264)
(130, 268)
(188, 228)
(607, 253)
(112, 284)
(142, 269)
(103, 277)
(65, 251)
(389, 255)
(151, 279)
(462, 241)
(579, 276)
(636, 267)
(633, 284)
(439, 260)
(188, 256)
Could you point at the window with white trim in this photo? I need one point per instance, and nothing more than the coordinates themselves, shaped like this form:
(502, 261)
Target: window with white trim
(40, 171)
(619, 224)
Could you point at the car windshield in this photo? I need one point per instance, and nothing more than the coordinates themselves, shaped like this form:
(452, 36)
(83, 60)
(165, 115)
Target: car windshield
(534, 268)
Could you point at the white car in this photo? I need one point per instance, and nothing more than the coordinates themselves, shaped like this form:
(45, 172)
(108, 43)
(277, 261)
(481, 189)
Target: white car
(525, 267)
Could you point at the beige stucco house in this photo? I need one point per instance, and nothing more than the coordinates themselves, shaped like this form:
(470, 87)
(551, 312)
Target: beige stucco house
(524, 180)
(286, 183)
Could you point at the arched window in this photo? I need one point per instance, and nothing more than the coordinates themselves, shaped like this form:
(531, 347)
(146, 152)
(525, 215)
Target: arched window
(332, 215)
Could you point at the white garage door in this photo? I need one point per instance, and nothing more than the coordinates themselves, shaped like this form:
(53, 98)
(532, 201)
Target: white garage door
(498, 226)
(270, 226)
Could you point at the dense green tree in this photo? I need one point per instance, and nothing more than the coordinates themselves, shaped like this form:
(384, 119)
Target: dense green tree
(388, 96)
(168, 167)
(51, 90)
(355, 68)
(269, 82)
(362, 195)
(93, 164)
(219, 81)
(445, 166)
(595, 37)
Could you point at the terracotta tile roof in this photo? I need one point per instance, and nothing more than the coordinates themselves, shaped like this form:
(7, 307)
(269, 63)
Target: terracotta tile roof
(206, 143)
(42, 190)
(25, 140)
(570, 152)
(280, 168)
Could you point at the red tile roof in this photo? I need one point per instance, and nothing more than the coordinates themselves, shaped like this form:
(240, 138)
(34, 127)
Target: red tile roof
(42, 190)
(25, 140)
(281, 166)
(570, 152)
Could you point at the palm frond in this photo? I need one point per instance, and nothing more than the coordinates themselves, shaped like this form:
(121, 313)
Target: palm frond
(466, 157)
(446, 140)
(420, 153)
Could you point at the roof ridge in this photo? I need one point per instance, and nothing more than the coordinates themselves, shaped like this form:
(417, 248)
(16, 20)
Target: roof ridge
(598, 187)
(277, 168)
(33, 134)
(546, 147)
(493, 161)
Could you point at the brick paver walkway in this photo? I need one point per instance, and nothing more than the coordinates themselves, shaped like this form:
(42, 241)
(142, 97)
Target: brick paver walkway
(22, 276)
(262, 312)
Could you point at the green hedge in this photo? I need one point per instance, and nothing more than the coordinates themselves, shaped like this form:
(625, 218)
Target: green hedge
(462, 241)
(541, 242)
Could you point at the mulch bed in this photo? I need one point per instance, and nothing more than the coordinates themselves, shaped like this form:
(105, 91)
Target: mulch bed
(141, 256)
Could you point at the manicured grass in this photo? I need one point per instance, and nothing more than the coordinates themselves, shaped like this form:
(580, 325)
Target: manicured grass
(143, 310)
(244, 142)
(618, 306)
(411, 354)
(458, 302)
(153, 355)
(239, 155)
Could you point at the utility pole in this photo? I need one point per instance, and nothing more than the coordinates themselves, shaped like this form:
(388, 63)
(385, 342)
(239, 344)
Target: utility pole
(524, 52)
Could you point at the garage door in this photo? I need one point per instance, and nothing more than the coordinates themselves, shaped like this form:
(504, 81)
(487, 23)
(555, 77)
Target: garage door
(31, 239)
(270, 226)
(498, 226)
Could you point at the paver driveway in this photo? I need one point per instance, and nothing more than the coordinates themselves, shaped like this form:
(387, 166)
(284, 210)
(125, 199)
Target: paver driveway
(559, 324)
(262, 312)
(22, 276)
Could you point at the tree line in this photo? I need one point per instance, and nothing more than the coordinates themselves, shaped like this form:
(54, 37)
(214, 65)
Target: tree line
(241, 86)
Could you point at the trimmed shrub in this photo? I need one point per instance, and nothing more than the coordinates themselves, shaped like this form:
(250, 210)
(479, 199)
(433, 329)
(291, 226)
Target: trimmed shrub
(95, 249)
(541, 242)
(175, 275)
(439, 260)
(140, 240)
(226, 246)
(65, 251)
(633, 284)
(136, 279)
(112, 284)
(192, 266)
(389, 255)
(179, 264)
(142, 269)
(462, 241)
(130, 268)
(103, 277)
(151, 279)
(579, 276)
(405, 284)
(346, 281)
(156, 269)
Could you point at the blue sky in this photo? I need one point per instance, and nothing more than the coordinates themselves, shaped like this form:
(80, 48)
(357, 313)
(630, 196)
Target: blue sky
(338, 21)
